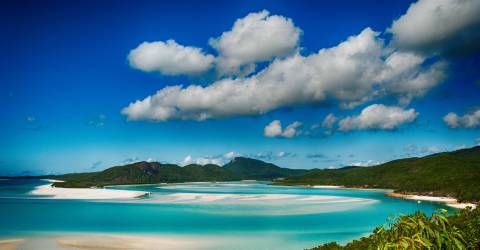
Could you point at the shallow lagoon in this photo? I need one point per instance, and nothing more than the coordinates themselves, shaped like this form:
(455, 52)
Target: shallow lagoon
(232, 215)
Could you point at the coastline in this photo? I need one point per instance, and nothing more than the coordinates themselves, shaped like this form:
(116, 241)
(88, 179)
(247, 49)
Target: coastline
(84, 193)
(449, 201)
(101, 193)
(110, 241)
(386, 190)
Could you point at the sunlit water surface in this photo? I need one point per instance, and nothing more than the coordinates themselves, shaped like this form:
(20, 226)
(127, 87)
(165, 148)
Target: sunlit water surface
(251, 215)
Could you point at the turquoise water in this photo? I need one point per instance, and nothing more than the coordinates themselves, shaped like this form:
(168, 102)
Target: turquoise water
(254, 215)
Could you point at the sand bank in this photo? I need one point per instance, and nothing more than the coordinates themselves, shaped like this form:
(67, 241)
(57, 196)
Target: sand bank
(449, 201)
(85, 193)
(10, 244)
(113, 241)
(253, 198)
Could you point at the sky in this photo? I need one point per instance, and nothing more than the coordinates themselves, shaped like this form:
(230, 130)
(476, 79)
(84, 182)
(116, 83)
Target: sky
(86, 85)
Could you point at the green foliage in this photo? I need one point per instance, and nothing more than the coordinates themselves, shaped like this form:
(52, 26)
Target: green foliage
(418, 231)
(154, 172)
(454, 174)
(468, 221)
(147, 173)
(254, 169)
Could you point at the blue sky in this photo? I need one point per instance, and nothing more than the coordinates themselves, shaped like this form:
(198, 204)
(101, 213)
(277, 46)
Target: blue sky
(70, 73)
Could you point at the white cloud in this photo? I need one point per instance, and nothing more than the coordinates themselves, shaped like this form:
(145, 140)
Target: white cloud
(478, 141)
(468, 120)
(274, 129)
(431, 150)
(438, 26)
(131, 160)
(329, 121)
(169, 58)
(230, 155)
(283, 154)
(378, 116)
(357, 70)
(364, 163)
(150, 159)
(187, 160)
(255, 38)
(209, 160)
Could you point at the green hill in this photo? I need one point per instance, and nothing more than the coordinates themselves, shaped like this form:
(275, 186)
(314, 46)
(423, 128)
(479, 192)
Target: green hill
(454, 173)
(148, 172)
(154, 172)
(248, 168)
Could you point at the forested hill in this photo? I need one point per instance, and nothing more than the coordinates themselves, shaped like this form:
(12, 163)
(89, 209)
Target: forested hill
(248, 168)
(455, 173)
(143, 172)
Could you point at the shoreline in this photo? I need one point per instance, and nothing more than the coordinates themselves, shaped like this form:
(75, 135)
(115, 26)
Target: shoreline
(51, 192)
(102, 193)
(449, 201)
(386, 190)
(90, 240)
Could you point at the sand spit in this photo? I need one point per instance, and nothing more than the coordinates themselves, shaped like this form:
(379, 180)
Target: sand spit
(10, 244)
(164, 242)
(449, 201)
(85, 193)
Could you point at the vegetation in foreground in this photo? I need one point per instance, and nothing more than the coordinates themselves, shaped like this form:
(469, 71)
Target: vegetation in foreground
(419, 231)
(454, 174)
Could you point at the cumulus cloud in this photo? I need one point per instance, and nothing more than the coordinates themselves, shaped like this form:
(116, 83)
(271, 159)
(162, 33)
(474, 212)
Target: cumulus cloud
(378, 116)
(258, 37)
(270, 156)
(364, 163)
(131, 160)
(274, 129)
(230, 155)
(209, 159)
(329, 121)
(187, 160)
(355, 71)
(431, 150)
(169, 58)
(438, 26)
(283, 154)
(468, 120)
(478, 141)
(217, 160)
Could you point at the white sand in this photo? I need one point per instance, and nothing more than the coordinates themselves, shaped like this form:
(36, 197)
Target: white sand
(253, 198)
(449, 201)
(10, 244)
(113, 241)
(327, 186)
(85, 193)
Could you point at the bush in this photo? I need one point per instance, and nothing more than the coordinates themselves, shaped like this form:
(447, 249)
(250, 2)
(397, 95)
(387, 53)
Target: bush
(419, 231)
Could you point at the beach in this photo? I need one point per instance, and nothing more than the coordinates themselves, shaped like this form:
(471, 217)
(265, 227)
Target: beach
(449, 201)
(52, 192)
(10, 244)
(108, 241)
